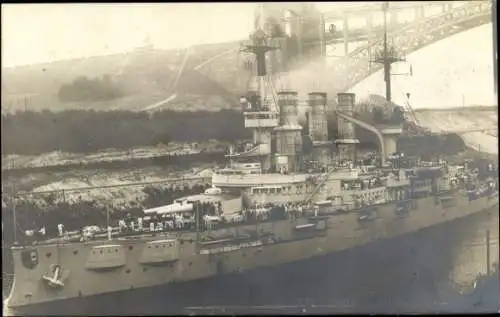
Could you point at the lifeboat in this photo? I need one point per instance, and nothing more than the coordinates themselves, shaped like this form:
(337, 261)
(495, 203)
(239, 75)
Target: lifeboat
(168, 209)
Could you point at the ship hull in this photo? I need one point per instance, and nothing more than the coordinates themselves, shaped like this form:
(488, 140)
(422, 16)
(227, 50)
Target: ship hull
(285, 284)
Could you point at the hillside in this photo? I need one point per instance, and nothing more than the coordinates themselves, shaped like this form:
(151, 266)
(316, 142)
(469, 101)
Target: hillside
(465, 119)
(145, 76)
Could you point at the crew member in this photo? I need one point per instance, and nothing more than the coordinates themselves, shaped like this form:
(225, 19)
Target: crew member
(60, 228)
(121, 224)
(110, 231)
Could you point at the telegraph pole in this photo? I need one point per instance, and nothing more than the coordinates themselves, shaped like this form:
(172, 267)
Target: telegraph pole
(488, 269)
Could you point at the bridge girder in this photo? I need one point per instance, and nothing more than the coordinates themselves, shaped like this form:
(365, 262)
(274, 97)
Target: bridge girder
(394, 7)
(408, 39)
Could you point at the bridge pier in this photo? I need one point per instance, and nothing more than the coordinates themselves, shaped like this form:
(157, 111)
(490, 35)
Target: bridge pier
(393, 19)
(419, 12)
(369, 26)
(390, 137)
(346, 37)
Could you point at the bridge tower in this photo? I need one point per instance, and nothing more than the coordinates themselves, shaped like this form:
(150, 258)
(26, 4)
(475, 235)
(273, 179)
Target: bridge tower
(346, 141)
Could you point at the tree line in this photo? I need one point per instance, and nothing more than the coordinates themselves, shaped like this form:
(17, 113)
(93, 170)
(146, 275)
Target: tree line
(85, 131)
(88, 131)
(84, 89)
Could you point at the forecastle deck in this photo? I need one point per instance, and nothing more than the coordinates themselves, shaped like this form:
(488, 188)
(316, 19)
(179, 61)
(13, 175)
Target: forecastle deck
(342, 232)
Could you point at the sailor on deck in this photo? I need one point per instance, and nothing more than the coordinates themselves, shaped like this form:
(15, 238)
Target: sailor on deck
(121, 224)
(60, 229)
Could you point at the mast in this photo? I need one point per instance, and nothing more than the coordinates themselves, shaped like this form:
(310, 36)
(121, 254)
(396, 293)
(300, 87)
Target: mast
(262, 118)
(261, 57)
(259, 48)
(387, 64)
(386, 57)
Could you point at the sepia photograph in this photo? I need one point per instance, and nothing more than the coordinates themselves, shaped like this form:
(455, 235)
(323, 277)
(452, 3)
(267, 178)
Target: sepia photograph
(242, 158)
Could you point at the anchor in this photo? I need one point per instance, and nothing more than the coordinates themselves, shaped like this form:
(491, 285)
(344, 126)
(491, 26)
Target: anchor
(54, 281)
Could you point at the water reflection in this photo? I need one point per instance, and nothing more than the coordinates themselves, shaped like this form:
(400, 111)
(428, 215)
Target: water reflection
(470, 257)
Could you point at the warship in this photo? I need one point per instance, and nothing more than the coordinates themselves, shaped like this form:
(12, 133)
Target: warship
(278, 201)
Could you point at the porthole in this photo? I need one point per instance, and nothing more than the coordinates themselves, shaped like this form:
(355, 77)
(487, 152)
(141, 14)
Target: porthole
(127, 271)
(75, 252)
(130, 247)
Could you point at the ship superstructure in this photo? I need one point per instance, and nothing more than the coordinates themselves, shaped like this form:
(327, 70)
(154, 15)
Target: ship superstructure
(277, 147)
(318, 128)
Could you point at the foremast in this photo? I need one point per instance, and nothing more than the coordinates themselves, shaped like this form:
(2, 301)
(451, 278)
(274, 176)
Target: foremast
(260, 109)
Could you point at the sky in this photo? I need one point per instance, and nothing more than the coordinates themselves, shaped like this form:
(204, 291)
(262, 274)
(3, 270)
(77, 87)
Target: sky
(455, 71)
(35, 33)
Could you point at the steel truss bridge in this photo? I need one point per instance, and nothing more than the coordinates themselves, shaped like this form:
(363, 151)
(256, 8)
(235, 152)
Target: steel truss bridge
(408, 37)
